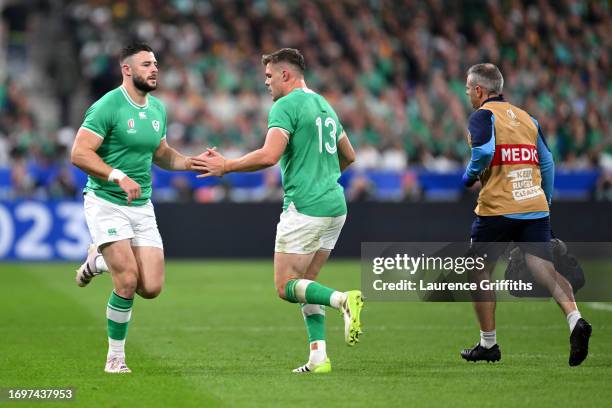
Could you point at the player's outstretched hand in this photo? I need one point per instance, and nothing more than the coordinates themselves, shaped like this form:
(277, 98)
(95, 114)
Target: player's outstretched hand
(131, 188)
(193, 164)
(209, 163)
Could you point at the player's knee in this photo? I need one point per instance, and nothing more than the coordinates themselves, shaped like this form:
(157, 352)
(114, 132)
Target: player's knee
(150, 292)
(280, 290)
(126, 284)
(125, 289)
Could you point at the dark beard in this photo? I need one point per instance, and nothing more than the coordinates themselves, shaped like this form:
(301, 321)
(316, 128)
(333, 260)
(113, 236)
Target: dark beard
(142, 85)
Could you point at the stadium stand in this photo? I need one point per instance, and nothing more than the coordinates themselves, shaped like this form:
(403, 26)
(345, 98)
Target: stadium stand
(393, 70)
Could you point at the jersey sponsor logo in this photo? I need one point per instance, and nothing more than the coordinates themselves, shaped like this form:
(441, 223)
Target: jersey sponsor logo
(515, 154)
(142, 115)
(131, 126)
(112, 231)
(155, 124)
(513, 119)
(523, 187)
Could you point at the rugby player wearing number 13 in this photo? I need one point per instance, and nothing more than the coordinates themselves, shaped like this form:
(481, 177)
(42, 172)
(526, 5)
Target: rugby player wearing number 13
(304, 133)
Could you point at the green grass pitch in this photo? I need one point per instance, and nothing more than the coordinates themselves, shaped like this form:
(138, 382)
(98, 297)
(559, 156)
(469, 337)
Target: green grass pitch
(218, 336)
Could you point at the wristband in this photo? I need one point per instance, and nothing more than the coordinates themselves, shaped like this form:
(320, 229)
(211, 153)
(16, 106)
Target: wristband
(116, 176)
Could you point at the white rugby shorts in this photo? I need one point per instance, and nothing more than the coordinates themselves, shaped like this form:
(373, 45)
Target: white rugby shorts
(298, 233)
(108, 222)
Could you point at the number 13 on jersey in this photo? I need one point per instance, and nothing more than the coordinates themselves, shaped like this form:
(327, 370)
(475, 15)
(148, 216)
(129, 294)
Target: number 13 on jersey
(329, 123)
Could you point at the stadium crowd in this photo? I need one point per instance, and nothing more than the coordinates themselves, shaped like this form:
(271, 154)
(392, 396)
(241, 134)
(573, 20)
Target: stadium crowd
(394, 71)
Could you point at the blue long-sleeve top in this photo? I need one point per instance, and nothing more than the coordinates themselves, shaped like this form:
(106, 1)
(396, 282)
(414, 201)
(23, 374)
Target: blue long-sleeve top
(481, 128)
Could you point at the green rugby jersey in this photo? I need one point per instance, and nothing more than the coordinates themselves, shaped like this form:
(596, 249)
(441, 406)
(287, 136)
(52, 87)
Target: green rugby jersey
(310, 166)
(131, 135)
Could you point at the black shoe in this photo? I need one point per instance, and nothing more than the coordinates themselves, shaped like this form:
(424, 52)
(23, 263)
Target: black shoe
(478, 353)
(579, 342)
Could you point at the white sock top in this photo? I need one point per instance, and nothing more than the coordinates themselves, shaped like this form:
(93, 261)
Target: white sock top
(572, 319)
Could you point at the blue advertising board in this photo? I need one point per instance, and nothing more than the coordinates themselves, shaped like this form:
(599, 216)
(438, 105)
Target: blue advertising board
(43, 230)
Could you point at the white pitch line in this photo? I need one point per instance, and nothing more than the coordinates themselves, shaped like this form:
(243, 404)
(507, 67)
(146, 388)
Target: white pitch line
(600, 306)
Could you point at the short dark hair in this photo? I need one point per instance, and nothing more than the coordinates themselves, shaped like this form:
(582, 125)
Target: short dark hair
(288, 55)
(133, 48)
(488, 76)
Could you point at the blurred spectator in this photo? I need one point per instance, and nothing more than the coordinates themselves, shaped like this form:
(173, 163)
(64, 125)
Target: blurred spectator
(63, 185)
(604, 187)
(182, 188)
(360, 188)
(272, 185)
(394, 158)
(367, 157)
(23, 185)
(411, 191)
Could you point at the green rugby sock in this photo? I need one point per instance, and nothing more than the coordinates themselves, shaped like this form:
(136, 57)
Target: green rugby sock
(307, 291)
(318, 294)
(118, 313)
(314, 319)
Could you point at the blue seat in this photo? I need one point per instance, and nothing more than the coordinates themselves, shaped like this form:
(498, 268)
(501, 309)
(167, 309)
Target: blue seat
(44, 176)
(575, 184)
(345, 178)
(80, 177)
(162, 178)
(5, 177)
(440, 186)
(203, 181)
(388, 183)
(440, 181)
(246, 180)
